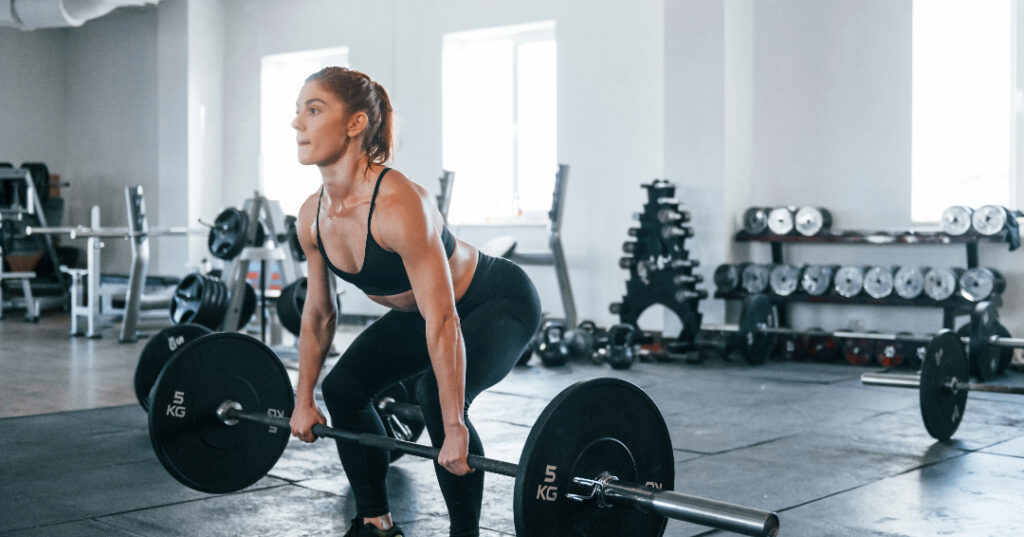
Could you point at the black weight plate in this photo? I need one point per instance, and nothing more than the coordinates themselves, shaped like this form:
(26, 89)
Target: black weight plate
(1005, 353)
(400, 393)
(942, 408)
(595, 426)
(983, 358)
(191, 443)
(292, 232)
(187, 299)
(228, 234)
(157, 352)
(290, 303)
(248, 306)
(757, 311)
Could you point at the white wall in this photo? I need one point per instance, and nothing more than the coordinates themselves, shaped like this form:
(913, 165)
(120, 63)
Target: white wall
(610, 104)
(111, 128)
(32, 98)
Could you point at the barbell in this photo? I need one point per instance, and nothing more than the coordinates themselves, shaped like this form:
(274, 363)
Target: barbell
(985, 338)
(943, 384)
(84, 232)
(597, 462)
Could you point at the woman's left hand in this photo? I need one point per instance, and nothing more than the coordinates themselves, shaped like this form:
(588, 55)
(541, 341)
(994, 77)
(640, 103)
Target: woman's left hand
(455, 450)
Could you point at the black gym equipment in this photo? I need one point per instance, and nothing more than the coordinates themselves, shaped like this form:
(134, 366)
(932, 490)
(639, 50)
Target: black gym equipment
(551, 346)
(229, 234)
(291, 238)
(290, 304)
(218, 423)
(397, 409)
(660, 268)
(986, 341)
(582, 340)
(158, 352)
(621, 352)
(204, 300)
(943, 384)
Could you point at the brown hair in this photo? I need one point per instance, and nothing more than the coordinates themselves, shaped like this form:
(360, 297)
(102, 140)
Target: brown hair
(361, 94)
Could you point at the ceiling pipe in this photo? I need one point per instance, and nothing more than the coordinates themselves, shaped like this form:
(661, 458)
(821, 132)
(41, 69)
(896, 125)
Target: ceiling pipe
(35, 14)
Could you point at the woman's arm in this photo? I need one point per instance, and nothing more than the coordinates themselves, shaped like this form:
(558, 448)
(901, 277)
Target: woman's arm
(318, 321)
(408, 226)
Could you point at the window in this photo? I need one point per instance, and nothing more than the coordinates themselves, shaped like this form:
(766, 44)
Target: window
(499, 123)
(962, 148)
(282, 178)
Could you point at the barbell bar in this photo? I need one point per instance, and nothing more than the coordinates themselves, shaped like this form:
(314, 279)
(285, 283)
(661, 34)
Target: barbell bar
(217, 422)
(83, 232)
(943, 384)
(755, 330)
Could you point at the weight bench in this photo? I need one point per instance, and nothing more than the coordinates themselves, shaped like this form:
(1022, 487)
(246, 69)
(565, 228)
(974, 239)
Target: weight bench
(31, 304)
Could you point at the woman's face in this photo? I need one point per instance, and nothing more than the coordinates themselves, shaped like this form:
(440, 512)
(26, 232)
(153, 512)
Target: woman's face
(323, 128)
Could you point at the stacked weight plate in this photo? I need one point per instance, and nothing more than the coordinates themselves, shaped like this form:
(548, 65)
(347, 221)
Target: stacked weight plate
(204, 300)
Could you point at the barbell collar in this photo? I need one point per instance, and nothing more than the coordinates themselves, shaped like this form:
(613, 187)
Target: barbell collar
(1007, 342)
(992, 388)
(228, 411)
(678, 506)
(408, 412)
(891, 380)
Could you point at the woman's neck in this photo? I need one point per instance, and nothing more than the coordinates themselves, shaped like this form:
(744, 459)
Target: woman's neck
(345, 178)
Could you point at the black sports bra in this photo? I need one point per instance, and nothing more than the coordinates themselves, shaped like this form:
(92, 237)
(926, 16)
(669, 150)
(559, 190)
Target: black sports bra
(383, 272)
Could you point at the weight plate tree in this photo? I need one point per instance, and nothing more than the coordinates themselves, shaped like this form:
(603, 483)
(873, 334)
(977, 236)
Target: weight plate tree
(218, 423)
(660, 268)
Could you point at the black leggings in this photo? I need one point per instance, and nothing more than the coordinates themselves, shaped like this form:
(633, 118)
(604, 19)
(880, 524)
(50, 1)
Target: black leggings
(499, 313)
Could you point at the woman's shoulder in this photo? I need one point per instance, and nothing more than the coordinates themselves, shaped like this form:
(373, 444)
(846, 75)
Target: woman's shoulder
(399, 190)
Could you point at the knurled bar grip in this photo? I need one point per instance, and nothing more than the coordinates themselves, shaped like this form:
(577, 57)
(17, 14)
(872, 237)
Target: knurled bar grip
(378, 441)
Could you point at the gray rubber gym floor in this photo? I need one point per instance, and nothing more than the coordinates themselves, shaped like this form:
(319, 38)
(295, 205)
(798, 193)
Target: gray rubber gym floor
(833, 457)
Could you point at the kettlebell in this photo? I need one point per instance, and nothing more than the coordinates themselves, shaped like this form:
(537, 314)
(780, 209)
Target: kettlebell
(581, 340)
(551, 346)
(621, 354)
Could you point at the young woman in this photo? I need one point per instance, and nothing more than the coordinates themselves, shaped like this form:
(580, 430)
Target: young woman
(458, 315)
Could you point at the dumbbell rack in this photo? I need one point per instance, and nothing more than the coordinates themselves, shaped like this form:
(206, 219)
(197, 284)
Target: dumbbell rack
(660, 267)
(952, 307)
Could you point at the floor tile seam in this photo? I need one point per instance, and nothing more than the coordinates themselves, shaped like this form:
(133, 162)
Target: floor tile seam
(862, 485)
(59, 412)
(1007, 455)
(761, 443)
(184, 502)
(118, 528)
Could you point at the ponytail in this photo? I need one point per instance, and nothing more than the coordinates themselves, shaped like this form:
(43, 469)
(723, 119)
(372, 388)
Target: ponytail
(361, 94)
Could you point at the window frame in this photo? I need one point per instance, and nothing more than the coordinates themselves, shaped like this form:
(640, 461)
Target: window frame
(519, 35)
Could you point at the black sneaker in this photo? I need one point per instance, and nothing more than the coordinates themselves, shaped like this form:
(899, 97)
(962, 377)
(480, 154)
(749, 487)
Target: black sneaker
(369, 530)
(355, 530)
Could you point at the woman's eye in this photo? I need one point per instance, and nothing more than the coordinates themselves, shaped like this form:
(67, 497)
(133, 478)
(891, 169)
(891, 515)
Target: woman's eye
(314, 111)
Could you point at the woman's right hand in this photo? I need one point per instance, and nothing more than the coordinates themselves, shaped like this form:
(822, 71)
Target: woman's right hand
(303, 419)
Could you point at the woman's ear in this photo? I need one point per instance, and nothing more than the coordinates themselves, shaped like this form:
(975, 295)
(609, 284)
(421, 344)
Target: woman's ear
(357, 124)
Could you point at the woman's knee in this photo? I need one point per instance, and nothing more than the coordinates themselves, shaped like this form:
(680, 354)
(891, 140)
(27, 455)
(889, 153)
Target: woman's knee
(343, 392)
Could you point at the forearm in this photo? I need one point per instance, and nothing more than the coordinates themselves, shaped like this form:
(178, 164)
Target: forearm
(448, 358)
(315, 340)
